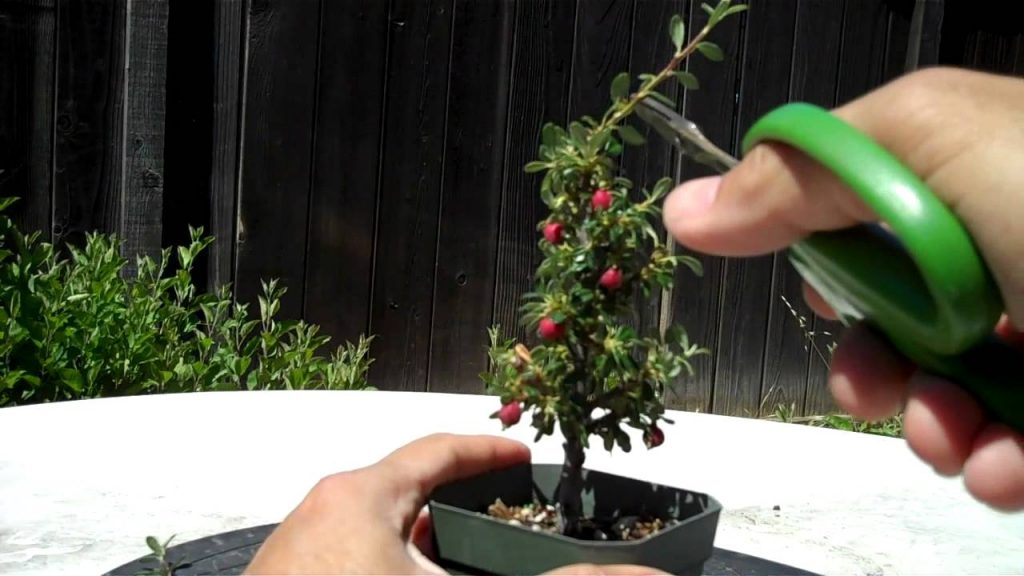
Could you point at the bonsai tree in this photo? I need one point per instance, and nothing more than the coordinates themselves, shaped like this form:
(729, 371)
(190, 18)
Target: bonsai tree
(592, 374)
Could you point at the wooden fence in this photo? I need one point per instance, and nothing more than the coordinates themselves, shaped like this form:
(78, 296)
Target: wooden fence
(369, 153)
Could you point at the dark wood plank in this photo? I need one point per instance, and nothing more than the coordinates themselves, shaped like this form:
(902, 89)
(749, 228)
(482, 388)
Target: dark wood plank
(340, 250)
(861, 68)
(988, 39)
(925, 33)
(418, 57)
(188, 129)
(813, 79)
(277, 139)
(89, 141)
(142, 221)
(603, 39)
(862, 57)
(471, 195)
(695, 301)
(230, 19)
(1018, 58)
(651, 48)
(539, 93)
(997, 52)
(27, 64)
(747, 287)
(898, 38)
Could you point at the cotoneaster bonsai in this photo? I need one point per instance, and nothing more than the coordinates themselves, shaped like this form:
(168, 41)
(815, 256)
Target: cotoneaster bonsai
(591, 374)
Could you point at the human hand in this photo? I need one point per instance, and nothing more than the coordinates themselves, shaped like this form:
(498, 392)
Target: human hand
(961, 132)
(370, 521)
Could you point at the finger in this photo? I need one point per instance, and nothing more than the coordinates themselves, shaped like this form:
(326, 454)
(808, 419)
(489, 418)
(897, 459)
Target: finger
(994, 472)
(605, 570)
(773, 198)
(408, 475)
(421, 535)
(817, 303)
(1009, 333)
(868, 377)
(941, 422)
(776, 195)
(421, 545)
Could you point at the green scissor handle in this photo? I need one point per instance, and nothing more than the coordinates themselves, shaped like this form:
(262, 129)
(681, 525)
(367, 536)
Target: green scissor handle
(923, 285)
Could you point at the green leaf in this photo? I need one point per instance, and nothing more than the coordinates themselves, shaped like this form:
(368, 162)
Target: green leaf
(708, 9)
(662, 187)
(579, 134)
(736, 9)
(549, 136)
(686, 80)
(600, 139)
(620, 86)
(613, 147)
(677, 29)
(545, 190)
(719, 12)
(631, 135)
(623, 440)
(535, 166)
(154, 545)
(711, 51)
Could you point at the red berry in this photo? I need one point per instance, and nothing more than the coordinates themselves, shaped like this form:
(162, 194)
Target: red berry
(510, 414)
(551, 330)
(654, 437)
(602, 199)
(611, 279)
(553, 232)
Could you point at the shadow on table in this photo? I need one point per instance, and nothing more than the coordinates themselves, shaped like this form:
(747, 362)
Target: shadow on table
(229, 553)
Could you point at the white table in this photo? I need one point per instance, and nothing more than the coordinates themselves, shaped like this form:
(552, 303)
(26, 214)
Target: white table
(83, 483)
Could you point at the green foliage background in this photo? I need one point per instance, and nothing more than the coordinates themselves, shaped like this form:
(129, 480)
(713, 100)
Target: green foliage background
(73, 326)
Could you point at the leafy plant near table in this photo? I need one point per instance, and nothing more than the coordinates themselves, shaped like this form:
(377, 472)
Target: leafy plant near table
(158, 555)
(593, 374)
(72, 326)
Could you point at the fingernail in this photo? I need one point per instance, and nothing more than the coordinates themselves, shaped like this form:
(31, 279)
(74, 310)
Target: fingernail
(695, 196)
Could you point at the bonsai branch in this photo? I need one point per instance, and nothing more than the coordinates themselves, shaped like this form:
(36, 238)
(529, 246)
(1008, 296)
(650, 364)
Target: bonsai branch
(645, 91)
(570, 491)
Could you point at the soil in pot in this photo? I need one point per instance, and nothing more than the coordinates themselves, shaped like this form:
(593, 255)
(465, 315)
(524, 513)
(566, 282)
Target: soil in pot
(542, 517)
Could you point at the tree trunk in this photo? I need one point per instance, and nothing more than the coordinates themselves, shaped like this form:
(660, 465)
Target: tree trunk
(570, 493)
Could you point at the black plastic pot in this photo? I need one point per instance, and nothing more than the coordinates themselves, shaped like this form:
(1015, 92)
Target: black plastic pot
(469, 541)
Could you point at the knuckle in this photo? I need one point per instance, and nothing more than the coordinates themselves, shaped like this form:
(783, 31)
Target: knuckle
(935, 77)
(923, 92)
(756, 167)
(764, 176)
(330, 488)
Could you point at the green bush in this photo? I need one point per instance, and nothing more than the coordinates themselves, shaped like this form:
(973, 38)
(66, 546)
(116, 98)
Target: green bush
(75, 327)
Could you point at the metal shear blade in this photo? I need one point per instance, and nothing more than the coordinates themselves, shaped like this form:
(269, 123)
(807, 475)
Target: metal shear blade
(684, 134)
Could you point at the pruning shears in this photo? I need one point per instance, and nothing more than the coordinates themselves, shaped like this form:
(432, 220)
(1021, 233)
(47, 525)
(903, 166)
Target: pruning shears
(921, 283)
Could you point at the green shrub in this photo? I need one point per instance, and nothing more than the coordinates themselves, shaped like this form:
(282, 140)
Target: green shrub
(75, 327)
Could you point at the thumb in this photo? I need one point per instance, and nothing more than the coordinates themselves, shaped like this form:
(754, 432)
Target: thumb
(409, 474)
(956, 129)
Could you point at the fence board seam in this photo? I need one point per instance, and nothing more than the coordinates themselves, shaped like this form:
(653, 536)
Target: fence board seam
(243, 106)
(505, 177)
(312, 172)
(440, 192)
(378, 192)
